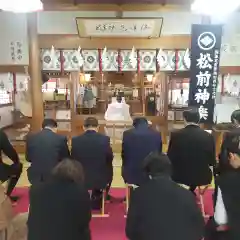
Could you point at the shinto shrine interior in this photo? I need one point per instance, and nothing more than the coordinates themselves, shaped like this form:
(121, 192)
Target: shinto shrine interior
(140, 48)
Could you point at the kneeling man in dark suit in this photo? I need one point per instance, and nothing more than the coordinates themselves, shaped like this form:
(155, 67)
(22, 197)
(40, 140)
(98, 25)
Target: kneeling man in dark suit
(191, 151)
(94, 152)
(10, 173)
(44, 150)
(137, 143)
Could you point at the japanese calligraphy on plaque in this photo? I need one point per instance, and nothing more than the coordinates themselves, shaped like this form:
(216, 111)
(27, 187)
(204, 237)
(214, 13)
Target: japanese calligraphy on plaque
(16, 51)
(112, 27)
(205, 57)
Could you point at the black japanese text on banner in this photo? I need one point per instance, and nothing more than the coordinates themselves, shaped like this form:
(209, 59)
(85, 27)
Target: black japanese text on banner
(205, 57)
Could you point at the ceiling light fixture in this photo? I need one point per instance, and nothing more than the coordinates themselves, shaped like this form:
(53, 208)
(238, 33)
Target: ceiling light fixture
(215, 7)
(21, 6)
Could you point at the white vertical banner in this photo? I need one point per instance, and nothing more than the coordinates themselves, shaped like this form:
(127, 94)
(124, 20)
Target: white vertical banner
(16, 52)
(14, 39)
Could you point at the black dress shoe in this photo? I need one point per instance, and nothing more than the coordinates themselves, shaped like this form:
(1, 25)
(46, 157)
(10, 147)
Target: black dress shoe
(14, 198)
(108, 198)
(96, 205)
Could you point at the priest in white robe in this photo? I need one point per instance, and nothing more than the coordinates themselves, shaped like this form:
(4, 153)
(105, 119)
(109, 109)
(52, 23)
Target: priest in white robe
(118, 110)
(118, 113)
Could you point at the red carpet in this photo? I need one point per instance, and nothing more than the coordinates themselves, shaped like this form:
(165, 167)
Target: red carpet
(112, 228)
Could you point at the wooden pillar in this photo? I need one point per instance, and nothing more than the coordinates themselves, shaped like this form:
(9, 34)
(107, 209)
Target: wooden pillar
(73, 82)
(35, 73)
(218, 136)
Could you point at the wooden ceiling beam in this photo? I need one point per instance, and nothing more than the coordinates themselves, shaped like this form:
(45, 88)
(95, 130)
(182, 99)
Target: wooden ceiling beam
(73, 41)
(113, 7)
(12, 69)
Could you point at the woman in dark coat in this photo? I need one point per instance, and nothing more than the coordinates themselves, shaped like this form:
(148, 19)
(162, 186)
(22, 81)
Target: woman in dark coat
(60, 209)
(225, 224)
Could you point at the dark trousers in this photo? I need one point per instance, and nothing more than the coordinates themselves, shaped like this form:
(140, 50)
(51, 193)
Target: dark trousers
(96, 197)
(36, 178)
(11, 173)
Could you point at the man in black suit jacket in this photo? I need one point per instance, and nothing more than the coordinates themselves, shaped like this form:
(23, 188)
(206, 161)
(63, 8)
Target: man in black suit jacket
(137, 143)
(192, 151)
(94, 152)
(9, 172)
(44, 150)
(160, 204)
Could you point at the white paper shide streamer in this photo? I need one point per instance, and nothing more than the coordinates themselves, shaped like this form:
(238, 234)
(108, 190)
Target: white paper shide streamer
(161, 58)
(52, 56)
(133, 58)
(104, 58)
(80, 57)
(187, 59)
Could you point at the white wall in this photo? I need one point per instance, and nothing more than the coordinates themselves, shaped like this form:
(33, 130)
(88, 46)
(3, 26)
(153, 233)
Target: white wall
(6, 116)
(64, 22)
(174, 23)
(13, 28)
(231, 38)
